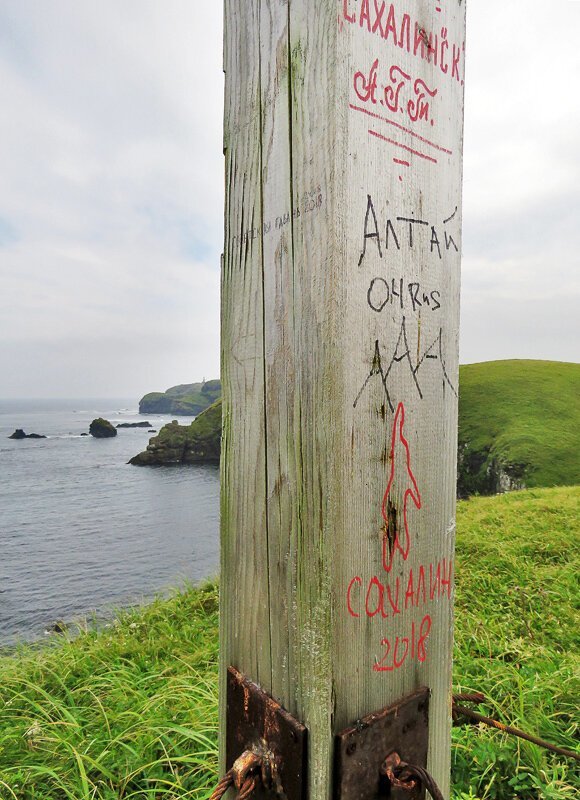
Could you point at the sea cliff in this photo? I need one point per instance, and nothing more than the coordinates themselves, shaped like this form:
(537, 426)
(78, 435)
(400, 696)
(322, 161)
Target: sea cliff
(187, 399)
(198, 443)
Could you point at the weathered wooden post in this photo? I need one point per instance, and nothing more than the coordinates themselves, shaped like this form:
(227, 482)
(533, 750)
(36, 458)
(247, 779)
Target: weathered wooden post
(340, 314)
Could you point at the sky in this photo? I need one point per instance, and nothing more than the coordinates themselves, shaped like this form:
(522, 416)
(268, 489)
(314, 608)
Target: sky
(111, 191)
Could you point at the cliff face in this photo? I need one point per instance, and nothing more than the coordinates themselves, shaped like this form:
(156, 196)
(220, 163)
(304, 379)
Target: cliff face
(198, 443)
(480, 472)
(186, 399)
(519, 426)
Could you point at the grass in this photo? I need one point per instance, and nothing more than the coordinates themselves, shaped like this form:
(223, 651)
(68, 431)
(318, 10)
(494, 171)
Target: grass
(517, 636)
(523, 415)
(131, 711)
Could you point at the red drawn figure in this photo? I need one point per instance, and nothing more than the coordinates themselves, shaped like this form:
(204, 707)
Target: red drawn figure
(398, 79)
(419, 108)
(395, 540)
(364, 87)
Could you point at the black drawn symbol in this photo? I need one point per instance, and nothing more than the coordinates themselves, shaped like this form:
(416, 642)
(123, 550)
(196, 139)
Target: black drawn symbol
(402, 355)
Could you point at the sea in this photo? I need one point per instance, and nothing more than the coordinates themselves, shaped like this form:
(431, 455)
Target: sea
(82, 533)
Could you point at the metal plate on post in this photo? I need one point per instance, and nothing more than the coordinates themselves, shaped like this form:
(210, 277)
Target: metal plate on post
(257, 722)
(361, 749)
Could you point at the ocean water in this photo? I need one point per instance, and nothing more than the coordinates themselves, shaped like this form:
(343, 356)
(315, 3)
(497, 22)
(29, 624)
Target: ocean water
(81, 531)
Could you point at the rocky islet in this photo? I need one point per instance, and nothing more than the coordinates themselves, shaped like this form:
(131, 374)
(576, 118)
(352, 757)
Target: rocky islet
(102, 429)
(197, 443)
(20, 434)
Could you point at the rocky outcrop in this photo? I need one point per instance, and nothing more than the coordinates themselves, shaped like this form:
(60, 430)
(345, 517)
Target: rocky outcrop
(19, 434)
(57, 627)
(198, 443)
(509, 478)
(483, 472)
(187, 399)
(102, 429)
(133, 425)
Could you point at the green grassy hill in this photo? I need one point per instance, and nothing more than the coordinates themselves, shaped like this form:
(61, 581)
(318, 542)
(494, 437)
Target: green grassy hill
(519, 425)
(131, 712)
(186, 399)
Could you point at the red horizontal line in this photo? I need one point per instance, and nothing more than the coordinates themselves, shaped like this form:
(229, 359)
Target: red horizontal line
(404, 146)
(396, 124)
(398, 161)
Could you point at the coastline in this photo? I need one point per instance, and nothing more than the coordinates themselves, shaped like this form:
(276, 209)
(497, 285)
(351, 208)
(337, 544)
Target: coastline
(81, 528)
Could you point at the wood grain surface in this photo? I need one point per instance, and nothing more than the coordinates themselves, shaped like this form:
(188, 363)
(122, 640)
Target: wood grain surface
(343, 135)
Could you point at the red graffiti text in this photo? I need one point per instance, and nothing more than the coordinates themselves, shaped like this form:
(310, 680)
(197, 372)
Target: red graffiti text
(379, 19)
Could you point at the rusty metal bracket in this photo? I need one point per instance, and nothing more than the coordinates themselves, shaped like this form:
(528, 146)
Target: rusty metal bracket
(361, 750)
(257, 723)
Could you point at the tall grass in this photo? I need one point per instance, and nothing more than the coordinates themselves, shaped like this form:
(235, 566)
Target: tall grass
(516, 640)
(131, 711)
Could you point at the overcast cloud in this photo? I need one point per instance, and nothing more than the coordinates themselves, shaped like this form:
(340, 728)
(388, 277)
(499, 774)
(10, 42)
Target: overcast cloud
(521, 235)
(111, 184)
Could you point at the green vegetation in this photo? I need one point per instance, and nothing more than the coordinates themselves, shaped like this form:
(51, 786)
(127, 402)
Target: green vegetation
(131, 711)
(519, 425)
(128, 712)
(187, 399)
(517, 633)
(198, 443)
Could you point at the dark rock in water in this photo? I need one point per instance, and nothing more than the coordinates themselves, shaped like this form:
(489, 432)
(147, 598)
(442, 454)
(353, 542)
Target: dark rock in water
(133, 425)
(152, 431)
(102, 429)
(19, 434)
(58, 627)
(84, 434)
(198, 443)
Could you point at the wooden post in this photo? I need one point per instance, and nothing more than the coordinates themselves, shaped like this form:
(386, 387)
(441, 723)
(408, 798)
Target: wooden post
(340, 315)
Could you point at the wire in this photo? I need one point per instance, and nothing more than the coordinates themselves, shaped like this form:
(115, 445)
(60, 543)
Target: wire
(494, 723)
